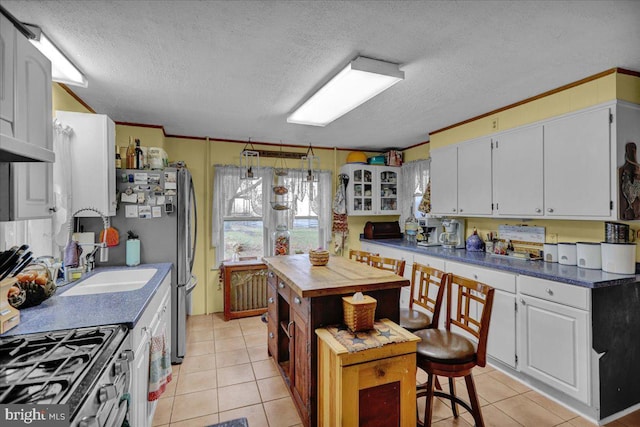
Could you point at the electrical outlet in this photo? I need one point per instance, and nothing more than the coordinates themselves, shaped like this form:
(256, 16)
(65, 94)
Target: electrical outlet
(494, 123)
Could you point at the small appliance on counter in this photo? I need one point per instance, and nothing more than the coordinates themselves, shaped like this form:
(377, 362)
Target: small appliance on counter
(429, 230)
(382, 230)
(453, 235)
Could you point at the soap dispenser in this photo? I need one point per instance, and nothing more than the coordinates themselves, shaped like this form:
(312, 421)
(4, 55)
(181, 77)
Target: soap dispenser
(133, 249)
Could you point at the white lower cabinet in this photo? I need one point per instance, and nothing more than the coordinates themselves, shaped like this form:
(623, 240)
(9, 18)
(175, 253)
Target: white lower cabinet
(154, 319)
(501, 344)
(554, 337)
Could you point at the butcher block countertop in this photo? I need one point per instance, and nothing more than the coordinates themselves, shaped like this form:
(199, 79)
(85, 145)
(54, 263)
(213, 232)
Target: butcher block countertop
(339, 277)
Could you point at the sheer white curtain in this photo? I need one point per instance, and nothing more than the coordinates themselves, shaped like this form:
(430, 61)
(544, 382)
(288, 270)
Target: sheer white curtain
(226, 183)
(414, 180)
(62, 184)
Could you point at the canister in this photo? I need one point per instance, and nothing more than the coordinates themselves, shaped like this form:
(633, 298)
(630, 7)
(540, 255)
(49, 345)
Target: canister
(589, 255)
(567, 253)
(133, 250)
(619, 257)
(550, 252)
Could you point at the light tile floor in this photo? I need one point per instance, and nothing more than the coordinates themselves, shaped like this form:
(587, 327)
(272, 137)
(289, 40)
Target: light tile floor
(227, 374)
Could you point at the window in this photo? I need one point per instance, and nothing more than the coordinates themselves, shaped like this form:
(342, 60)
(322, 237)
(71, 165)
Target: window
(242, 213)
(415, 177)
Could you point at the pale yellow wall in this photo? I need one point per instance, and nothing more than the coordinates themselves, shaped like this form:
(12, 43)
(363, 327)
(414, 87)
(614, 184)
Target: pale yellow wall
(149, 137)
(416, 153)
(61, 100)
(607, 88)
(573, 99)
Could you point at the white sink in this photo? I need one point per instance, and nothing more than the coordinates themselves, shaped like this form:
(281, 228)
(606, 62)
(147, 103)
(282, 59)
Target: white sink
(112, 281)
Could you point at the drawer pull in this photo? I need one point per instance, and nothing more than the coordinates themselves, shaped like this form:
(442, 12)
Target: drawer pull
(550, 210)
(281, 285)
(523, 302)
(297, 300)
(271, 275)
(549, 291)
(270, 300)
(475, 277)
(271, 335)
(538, 210)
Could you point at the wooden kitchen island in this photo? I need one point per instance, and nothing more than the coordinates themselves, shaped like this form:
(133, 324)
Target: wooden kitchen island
(302, 298)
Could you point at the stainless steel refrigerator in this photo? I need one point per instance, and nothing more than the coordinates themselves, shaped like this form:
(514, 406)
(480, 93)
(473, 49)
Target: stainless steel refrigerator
(160, 207)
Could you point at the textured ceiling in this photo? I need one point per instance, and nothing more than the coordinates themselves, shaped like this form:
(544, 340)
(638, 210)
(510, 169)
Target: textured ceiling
(235, 69)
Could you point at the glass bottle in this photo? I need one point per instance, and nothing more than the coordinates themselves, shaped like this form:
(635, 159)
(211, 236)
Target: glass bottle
(411, 227)
(281, 239)
(139, 157)
(131, 155)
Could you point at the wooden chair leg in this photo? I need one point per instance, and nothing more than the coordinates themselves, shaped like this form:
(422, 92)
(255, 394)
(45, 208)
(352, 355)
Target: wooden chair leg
(428, 404)
(452, 392)
(473, 398)
(438, 386)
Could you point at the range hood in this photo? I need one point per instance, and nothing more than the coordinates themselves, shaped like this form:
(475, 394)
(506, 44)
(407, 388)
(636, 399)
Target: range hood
(14, 150)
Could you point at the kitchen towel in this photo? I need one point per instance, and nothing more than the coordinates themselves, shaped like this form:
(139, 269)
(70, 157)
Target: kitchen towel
(159, 366)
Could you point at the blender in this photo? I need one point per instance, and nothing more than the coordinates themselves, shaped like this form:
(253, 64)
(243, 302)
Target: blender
(453, 235)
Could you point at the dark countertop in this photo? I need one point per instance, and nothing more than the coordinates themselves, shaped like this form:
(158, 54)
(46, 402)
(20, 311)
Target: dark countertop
(60, 312)
(543, 270)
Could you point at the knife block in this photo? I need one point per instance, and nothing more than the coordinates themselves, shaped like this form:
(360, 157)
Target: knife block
(9, 316)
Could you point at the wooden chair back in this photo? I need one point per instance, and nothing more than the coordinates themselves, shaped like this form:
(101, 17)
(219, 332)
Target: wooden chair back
(360, 256)
(423, 279)
(390, 264)
(470, 293)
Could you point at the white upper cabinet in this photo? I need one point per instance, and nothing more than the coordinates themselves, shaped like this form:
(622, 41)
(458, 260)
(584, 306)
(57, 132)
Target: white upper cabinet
(474, 177)
(372, 190)
(461, 179)
(7, 49)
(518, 172)
(577, 167)
(444, 181)
(27, 187)
(561, 168)
(93, 144)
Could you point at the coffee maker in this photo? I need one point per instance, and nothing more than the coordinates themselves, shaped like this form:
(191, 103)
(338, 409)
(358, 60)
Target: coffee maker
(429, 230)
(453, 235)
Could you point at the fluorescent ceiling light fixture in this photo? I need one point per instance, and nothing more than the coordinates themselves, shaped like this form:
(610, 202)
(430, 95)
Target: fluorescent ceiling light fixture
(62, 70)
(362, 79)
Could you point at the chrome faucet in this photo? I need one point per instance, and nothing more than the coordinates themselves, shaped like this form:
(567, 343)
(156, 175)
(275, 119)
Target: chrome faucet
(104, 251)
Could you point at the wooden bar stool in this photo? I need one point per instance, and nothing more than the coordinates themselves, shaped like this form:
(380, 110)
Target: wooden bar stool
(389, 264)
(424, 281)
(360, 256)
(449, 354)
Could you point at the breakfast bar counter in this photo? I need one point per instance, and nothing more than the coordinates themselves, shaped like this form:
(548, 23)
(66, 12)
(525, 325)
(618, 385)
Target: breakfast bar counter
(303, 298)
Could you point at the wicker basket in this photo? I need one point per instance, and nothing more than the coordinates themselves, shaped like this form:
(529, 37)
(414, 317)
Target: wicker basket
(359, 315)
(318, 258)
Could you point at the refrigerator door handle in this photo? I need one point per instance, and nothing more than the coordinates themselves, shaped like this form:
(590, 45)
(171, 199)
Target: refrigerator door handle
(192, 196)
(192, 284)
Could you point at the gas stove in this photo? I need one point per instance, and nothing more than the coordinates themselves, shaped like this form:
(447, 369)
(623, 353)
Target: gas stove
(67, 367)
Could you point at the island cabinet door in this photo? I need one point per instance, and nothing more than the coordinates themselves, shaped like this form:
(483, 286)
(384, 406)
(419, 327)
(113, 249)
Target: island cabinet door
(301, 366)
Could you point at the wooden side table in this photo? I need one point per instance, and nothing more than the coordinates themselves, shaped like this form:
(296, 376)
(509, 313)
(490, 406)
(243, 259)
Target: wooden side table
(372, 387)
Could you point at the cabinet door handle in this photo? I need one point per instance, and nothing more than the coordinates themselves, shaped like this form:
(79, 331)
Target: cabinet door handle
(53, 209)
(271, 335)
(549, 291)
(538, 210)
(550, 210)
(461, 210)
(281, 285)
(523, 302)
(288, 327)
(271, 274)
(270, 300)
(453, 210)
(297, 300)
